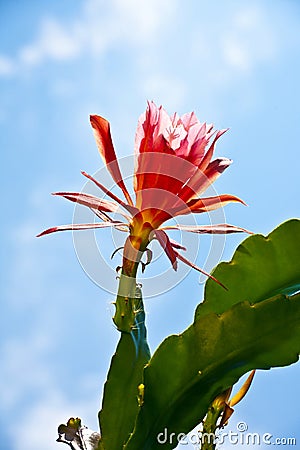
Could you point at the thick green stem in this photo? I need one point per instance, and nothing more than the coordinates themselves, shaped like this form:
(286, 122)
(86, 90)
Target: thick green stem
(123, 391)
(125, 313)
(126, 308)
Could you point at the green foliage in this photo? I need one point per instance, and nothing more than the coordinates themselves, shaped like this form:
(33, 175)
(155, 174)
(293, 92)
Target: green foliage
(189, 370)
(120, 404)
(253, 325)
(260, 268)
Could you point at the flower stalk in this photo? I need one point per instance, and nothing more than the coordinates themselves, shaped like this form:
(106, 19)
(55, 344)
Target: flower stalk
(126, 309)
(209, 428)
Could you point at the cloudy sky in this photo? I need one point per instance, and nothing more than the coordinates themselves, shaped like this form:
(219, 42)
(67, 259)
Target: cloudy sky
(236, 64)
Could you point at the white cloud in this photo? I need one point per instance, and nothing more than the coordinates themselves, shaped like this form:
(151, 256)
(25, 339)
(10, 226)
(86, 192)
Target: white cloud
(29, 392)
(235, 55)
(250, 40)
(234, 47)
(48, 406)
(168, 67)
(141, 24)
(7, 66)
(37, 429)
(53, 42)
(99, 28)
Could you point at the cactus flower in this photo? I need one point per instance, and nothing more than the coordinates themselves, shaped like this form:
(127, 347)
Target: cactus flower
(174, 165)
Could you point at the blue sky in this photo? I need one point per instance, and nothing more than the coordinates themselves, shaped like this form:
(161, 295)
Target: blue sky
(235, 63)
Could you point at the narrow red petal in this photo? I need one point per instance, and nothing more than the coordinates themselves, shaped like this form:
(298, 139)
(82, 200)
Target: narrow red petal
(176, 245)
(81, 226)
(92, 202)
(211, 203)
(190, 264)
(205, 204)
(209, 154)
(89, 200)
(131, 209)
(164, 241)
(101, 215)
(201, 180)
(215, 168)
(221, 228)
(105, 146)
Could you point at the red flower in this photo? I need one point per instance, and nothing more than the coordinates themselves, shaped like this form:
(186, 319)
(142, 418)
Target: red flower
(173, 167)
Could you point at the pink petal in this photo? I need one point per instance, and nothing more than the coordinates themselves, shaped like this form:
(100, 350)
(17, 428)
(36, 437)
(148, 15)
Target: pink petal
(197, 151)
(190, 264)
(149, 144)
(221, 228)
(164, 241)
(105, 146)
(189, 119)
(151, 125)
(159, 138)
(193, 146)
(81, 226)
(190, 189)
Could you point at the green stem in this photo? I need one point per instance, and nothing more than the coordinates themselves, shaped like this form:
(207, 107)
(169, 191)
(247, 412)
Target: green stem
(124, 317)
(123, 391)
(126, 308)
(210, 428)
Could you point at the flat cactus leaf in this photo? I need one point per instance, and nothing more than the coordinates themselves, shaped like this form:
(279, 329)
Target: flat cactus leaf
(189, 370)
(261, 267)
